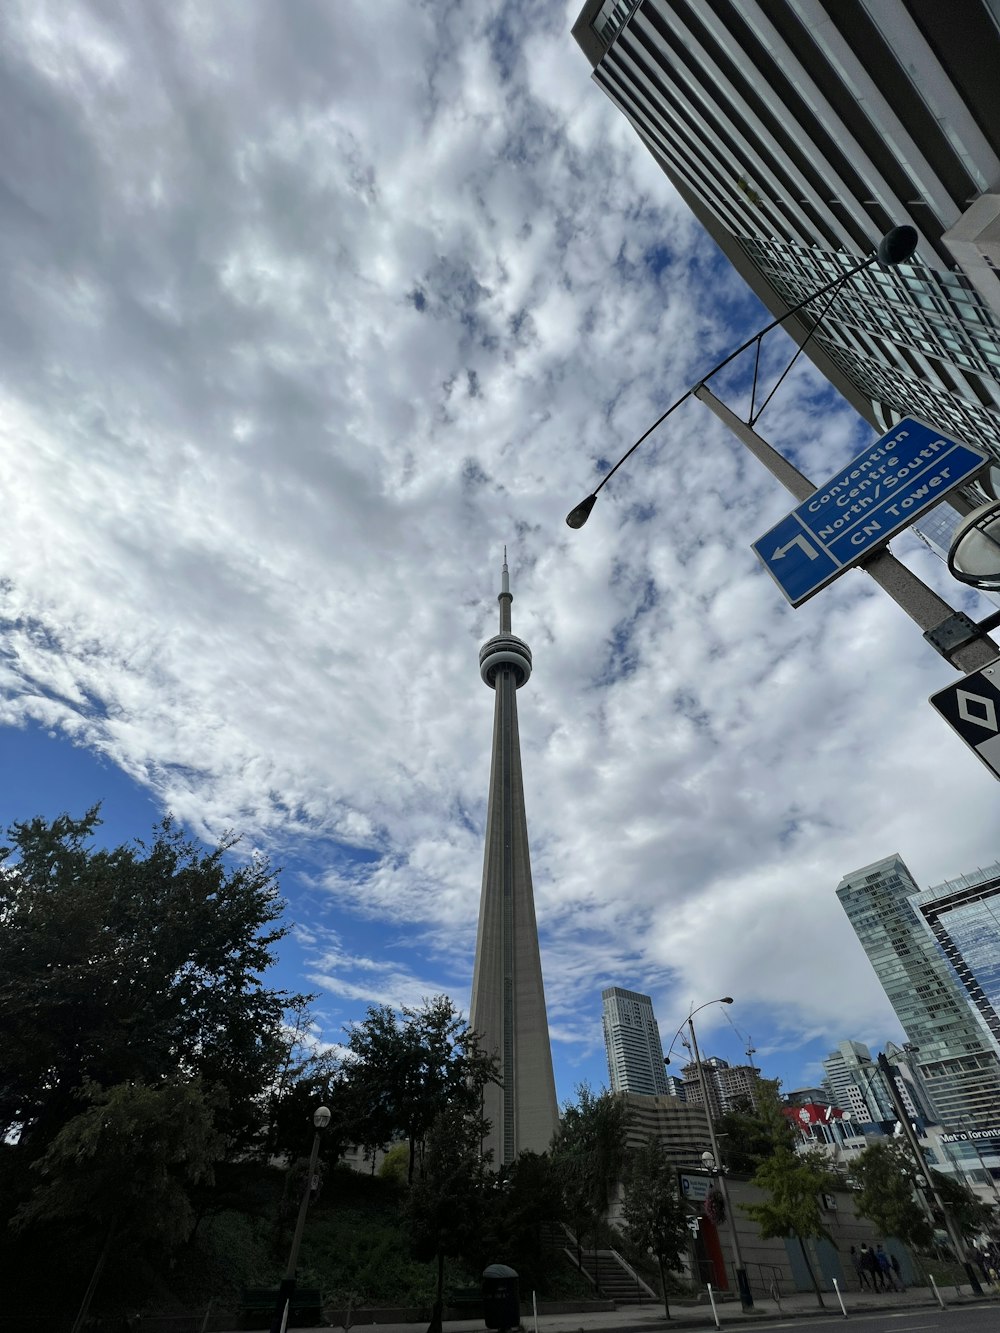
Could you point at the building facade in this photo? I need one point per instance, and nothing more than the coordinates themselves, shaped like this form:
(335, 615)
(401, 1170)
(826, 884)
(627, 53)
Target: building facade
(681, 1129)
(728, 1085)
(855, 1083)
(955, 1061)
(963, 915)
(632, 1042)
(799, 132)
(508, 996)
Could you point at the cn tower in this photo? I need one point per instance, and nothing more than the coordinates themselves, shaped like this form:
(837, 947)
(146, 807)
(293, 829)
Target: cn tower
(508, 999)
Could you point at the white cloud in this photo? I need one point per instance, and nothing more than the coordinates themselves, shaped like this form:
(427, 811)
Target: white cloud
(306, 313)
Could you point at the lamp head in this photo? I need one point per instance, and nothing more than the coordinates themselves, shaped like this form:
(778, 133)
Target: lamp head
(974, 557)
(726, 999)
(321, 1117)
(578, 516)
(897, 246)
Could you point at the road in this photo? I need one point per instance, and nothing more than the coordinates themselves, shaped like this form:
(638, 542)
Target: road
(950, 1320)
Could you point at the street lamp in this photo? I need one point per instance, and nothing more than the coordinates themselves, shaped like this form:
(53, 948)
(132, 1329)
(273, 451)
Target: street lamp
(742, 1282)
(974, 556)
(920, 1165)
(321, 1118)
(957, 638)
(895, 248)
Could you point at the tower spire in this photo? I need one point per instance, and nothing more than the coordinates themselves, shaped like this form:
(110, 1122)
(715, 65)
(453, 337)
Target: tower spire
(506, 596)
(508, 997)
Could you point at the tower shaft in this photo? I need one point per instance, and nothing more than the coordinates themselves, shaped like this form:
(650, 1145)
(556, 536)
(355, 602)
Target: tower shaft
(508, 998)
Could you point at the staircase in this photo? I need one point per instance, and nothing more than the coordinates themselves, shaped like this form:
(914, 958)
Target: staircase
(609, 1273)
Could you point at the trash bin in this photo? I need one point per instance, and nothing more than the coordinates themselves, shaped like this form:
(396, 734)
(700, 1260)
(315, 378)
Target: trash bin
(501, 1297)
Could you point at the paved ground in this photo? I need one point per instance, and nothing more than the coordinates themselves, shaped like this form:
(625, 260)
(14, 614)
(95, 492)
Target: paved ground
(650, 1318)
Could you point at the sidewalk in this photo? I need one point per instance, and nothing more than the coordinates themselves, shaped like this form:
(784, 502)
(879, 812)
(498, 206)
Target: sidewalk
(698, 1314)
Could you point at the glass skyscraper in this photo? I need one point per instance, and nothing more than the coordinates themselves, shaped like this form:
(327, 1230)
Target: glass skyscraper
(963, 915)
(954, 1057)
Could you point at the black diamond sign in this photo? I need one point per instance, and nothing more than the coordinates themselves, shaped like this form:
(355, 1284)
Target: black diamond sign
(972, 706)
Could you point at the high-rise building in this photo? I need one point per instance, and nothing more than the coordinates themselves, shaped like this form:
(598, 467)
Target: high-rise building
(963, 915)
(508, 997)
(676, 1087)
(681, 1129)
(855, 1083)
(632, 1042)
(799, 132)
(728, 1085)
(954, 1058)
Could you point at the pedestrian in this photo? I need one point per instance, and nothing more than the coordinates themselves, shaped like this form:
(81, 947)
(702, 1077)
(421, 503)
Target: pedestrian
(884, 1271)
(859, 1269)
(897, 1272)
(870, 1264)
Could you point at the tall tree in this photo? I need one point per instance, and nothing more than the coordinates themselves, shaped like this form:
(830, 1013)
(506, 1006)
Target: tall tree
(793, 1184)
(971, 1214)
(751, 1130)
(589, 1152)
(445, 1203)
(138, 964)
(522, 1201)
(653, 1212)
(402, 1073)
(123, 1169)
(130, 1156)
(885, 1178)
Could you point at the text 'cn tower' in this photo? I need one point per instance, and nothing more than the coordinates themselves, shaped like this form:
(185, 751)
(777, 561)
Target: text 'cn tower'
(508, 999)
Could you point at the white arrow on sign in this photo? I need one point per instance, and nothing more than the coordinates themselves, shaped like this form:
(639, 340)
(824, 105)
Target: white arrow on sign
(782, 551)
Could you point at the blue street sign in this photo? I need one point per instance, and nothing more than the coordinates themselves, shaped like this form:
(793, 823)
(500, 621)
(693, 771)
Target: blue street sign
(883, 490)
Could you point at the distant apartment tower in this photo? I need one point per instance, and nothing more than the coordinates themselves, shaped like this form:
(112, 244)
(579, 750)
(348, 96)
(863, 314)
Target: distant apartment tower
(728, 1085)
(632, 1041)
(955, 1060)
(963, 915)
(855, 1083)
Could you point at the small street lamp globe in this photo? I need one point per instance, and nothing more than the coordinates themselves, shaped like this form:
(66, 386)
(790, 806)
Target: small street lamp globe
(321, 1117)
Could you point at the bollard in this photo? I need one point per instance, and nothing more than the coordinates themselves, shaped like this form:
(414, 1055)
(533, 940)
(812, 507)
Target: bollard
(534, 1310)
(715, 1313)
(936, 1292)
(840, 1298)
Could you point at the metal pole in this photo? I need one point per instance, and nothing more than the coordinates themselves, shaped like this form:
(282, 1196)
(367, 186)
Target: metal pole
(840, 1298)
(911, 594)
(935, 1290)
(715, 1313)
(287, 1288)
(954, 1235)
(95, 1277)
(746, 1296)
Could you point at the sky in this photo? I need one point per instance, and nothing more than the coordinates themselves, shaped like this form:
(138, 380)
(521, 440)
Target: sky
(307, 311)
